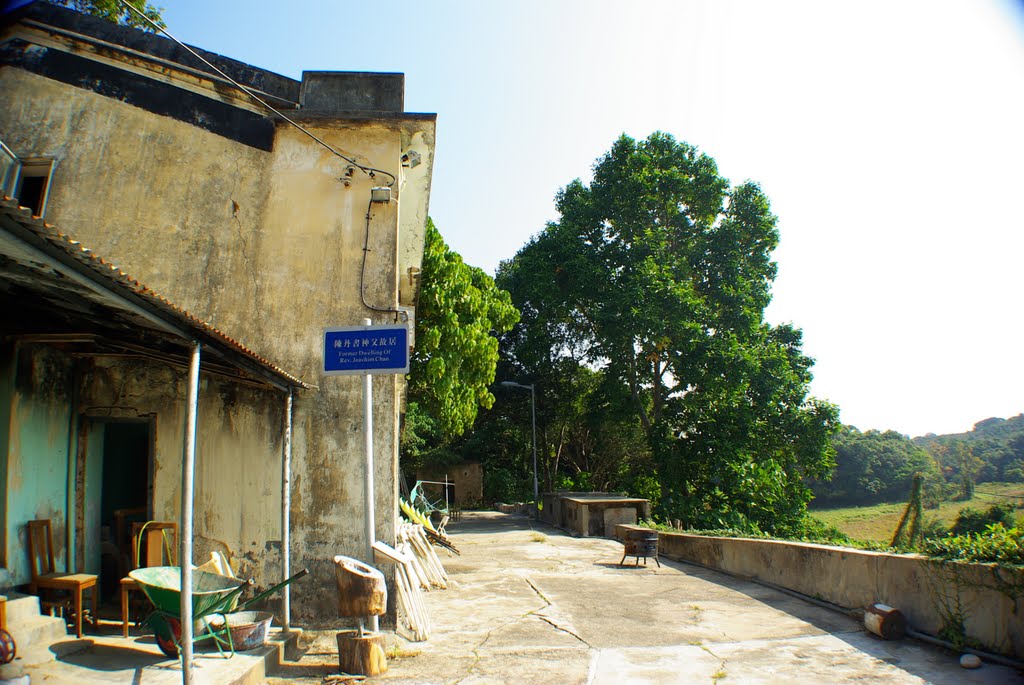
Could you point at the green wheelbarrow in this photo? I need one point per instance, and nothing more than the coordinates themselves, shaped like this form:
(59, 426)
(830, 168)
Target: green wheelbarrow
(211, 594)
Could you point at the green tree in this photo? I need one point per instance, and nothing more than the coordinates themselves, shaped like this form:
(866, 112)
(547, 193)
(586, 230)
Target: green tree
(115, 11)
(957, 456)
(459, 315)
(658, 273)
(588, 434)
(874, 467)
(997, 448)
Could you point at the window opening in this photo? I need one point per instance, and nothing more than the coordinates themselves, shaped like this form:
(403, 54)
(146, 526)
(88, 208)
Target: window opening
(34, 185)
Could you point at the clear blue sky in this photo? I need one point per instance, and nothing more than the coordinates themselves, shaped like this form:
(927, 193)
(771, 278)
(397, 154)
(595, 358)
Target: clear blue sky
(889, 137)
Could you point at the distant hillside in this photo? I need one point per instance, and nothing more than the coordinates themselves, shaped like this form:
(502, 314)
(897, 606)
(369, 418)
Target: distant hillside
(997, 447)
(876, 466)
(994, 428)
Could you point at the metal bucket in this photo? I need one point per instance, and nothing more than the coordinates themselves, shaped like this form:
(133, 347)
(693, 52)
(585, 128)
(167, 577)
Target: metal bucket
(248, 628)
(642, 544)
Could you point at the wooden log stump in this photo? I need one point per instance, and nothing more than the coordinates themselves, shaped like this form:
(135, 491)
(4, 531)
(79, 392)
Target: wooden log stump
(885, 622)
(362, 591)
(361, 654)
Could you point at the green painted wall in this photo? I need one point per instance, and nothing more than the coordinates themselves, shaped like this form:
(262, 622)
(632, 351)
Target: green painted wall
(6, 392)
(37, 454)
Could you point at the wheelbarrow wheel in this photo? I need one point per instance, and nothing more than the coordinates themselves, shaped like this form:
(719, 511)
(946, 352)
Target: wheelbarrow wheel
(167, 631)
(167, 646)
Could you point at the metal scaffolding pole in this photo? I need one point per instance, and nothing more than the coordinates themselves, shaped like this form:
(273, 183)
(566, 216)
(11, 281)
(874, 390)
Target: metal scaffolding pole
(188, 468)
(286, 516)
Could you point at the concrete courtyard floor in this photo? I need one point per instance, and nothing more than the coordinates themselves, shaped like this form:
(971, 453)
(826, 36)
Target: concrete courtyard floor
(528, 604)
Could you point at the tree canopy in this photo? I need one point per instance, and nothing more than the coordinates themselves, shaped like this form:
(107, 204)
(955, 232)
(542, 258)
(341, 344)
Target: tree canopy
(874, 467)
(459, 315)
(657, 274)
(115, 11)
(996, 444)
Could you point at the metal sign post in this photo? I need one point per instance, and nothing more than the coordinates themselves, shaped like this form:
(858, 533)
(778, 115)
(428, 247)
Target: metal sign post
(367, 350)
(369, 499)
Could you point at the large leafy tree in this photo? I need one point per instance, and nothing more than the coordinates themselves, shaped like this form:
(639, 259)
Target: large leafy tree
(115, 11)
(658, 273)
(459, 315)
(588, 436)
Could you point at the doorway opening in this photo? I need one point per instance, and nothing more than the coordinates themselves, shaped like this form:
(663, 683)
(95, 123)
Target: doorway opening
(118, 492)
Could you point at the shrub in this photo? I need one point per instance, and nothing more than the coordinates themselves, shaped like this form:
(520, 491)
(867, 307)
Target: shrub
(971, 520)
(996, 544)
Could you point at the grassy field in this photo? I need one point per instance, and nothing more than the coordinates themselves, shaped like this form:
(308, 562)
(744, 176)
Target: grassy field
(878, 522)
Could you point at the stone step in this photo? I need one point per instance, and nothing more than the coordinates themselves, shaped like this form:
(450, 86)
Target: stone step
(33, 636)
(21, 606)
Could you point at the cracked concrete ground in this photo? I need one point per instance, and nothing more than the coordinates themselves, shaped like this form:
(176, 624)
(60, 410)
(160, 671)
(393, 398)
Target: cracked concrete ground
(528, 604)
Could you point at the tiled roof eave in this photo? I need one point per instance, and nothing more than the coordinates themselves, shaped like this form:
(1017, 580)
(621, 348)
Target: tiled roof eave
(73, 255)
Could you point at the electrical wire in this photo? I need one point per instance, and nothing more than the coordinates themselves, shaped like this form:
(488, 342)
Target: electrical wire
(369, 171)
(362, 272)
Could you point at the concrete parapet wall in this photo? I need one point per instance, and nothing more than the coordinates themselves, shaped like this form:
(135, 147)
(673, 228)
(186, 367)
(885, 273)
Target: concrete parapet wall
(924, 590)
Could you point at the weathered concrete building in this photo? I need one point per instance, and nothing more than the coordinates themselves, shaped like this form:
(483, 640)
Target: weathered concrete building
(254, 230)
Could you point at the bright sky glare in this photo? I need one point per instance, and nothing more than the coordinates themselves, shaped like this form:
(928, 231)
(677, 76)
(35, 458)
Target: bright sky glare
(889, 137)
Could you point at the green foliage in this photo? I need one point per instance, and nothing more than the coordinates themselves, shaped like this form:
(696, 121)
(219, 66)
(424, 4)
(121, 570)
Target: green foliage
(993, 451)
(996, 544)
(874, 467)
(459, 315)
(909, 531)
(114, 11)
(806, 529)
(646, 487)
(588, 435)
(971, 520)
(657, 275)
(503, 485)
(424, 442)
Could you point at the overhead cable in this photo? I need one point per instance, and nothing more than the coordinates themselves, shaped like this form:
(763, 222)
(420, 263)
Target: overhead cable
(362, 274)
(369, 171)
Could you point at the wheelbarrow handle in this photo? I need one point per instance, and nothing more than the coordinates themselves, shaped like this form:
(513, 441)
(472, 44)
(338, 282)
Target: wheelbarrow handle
(267, 593)
(226, 600)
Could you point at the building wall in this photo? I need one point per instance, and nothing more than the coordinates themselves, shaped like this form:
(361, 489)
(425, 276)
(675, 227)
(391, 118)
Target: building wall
(268, 246)
(468, 480)
(238, 455)
(7, 358)
(37, 452)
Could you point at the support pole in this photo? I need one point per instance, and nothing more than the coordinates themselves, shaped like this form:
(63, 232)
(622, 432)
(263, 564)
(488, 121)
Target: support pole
(533, 413)
(187, 495)
(286, 514)
(371, 526)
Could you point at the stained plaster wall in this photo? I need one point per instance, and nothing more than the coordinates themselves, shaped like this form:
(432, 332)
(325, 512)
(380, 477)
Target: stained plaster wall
(238, 460)
(265, 245)
(238, 454)
(37, 452)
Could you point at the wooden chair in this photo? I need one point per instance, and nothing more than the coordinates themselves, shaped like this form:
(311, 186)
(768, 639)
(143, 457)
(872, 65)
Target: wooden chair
(153, 544)
(45, 576)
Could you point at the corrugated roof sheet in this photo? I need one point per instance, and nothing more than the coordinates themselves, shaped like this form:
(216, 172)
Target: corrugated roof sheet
(109, 275)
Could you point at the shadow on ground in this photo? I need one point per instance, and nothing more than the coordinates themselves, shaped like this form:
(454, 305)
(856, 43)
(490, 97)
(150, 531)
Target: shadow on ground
(104, 657)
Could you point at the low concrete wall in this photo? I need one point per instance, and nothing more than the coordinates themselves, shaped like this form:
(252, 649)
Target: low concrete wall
(926, 591)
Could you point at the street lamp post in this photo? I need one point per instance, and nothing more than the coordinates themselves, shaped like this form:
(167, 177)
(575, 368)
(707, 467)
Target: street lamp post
(533, 414)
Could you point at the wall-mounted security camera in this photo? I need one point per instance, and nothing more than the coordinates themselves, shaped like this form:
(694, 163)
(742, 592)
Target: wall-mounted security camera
(410, 159)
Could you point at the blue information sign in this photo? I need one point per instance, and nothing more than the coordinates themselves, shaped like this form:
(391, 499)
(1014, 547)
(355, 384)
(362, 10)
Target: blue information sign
(366, 349)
